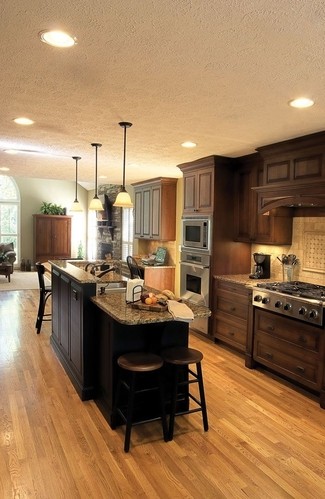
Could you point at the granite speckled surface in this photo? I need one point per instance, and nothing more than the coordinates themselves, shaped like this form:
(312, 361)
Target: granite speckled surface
(76, 270)
(241, 279)
(114, 304)
(116, 307)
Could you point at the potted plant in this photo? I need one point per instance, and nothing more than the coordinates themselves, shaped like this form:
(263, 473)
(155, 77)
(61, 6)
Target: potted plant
(52, 209)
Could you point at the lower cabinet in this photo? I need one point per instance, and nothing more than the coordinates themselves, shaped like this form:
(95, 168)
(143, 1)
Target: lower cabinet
(231, 313)
(72, 331)
(289, 347)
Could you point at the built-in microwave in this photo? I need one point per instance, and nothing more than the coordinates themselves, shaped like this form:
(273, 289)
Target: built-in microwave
(197, 233)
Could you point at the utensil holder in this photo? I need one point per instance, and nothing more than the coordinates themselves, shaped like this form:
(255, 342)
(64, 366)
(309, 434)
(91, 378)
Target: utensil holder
(287, 270)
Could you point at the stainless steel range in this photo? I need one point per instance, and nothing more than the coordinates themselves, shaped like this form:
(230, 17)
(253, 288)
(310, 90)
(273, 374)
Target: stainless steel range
(296, 299)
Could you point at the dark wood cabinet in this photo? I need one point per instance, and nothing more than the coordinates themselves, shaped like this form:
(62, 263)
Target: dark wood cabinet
(289, 347)
(274, 227)
(72, 331)
(155, 209)
(198, 179)
(231, 313)
(52, 237)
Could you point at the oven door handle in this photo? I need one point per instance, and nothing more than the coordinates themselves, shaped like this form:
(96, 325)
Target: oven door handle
(196, 265)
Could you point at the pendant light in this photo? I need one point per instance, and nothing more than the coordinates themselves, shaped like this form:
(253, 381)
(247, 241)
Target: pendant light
(76, 205)
(123, 199)
(95, 203)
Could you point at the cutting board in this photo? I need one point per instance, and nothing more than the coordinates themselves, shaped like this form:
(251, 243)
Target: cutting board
(155, 307)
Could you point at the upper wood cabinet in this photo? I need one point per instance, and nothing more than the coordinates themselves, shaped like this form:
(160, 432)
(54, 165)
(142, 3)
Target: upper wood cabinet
(198, 186)
(155, 209)
(52, 237)
(274, 227)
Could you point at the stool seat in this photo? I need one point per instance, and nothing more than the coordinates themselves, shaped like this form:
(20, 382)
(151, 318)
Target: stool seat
(182, 356)
(133, 368)
(180, 359)
(140, 362)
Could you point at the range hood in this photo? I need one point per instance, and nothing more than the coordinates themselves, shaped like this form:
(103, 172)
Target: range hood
(296, 195)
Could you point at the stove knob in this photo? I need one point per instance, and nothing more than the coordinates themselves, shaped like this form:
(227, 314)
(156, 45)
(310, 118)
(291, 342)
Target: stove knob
(266, 300)
(313, 314)
(257, 298)
(302, 311)
(278, 304)
(287, 306)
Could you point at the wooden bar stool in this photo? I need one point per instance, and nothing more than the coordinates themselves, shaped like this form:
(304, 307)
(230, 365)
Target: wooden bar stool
(180, 358)
(44, 294)
(132, 367)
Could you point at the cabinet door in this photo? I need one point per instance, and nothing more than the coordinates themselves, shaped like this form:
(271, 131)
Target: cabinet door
(64, 315)
(146, 212)
(138, 213)
(189, 192)
(61, 237)
(43, 237)
(205, 190)
(155, 211)
(76, 327)
(245, 208)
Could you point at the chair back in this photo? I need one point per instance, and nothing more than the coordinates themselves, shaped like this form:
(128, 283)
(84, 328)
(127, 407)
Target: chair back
(40, 274)
(133, 267)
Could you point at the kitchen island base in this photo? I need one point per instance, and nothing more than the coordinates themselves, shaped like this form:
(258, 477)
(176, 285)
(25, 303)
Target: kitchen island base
(114, 339)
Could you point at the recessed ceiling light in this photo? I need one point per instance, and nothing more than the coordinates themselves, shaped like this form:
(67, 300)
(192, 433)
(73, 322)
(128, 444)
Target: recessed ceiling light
(30, 151)
(188, 144)
(4, 169)
(23, 121)
(102, 176)
(301, 102)
(57, 38)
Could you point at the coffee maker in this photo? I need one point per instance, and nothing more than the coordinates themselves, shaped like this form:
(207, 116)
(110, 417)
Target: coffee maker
(261, 266)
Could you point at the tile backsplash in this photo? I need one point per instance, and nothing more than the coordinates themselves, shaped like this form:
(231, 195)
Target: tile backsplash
(308, 244)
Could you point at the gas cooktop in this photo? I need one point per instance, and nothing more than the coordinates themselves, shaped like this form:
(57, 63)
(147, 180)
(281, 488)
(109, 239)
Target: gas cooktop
(296, 288)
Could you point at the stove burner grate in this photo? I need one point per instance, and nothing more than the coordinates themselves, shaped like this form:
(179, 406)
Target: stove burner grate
(296, 288)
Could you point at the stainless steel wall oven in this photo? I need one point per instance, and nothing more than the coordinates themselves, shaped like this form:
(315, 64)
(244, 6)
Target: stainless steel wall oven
(195, 282)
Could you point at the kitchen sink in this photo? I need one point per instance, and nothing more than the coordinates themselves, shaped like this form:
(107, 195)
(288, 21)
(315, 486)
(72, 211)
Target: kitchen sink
(111, 287)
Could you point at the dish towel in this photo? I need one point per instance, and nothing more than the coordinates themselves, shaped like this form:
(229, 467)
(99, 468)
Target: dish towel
(180, 311)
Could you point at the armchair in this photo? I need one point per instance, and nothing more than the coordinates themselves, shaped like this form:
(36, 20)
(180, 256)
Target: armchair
(8, 253)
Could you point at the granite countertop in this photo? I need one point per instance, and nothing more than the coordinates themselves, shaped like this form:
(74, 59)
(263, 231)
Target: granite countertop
(80, 275)
(242, 279)
(116, 307)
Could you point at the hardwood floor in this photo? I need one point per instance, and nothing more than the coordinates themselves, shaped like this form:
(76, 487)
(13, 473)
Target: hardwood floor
(266, 438)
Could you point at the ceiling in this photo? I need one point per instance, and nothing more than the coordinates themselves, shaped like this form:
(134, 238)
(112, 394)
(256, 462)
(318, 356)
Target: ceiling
(219, 73)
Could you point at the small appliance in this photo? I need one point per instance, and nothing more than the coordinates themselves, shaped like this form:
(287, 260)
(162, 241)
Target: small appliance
(197, 233)
(261, 267)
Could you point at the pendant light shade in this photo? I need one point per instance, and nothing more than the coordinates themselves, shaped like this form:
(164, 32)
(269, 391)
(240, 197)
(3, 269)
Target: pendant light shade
(95, 203)
(123, 199)
(76, 206)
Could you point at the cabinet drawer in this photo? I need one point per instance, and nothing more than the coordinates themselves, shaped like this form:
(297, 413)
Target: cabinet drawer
(295, 332)
(230, 333)
(233, 307)
(294, 363)
(231, 287)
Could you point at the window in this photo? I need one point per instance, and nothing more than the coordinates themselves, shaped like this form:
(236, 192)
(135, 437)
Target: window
(127, 232)
(9, 212)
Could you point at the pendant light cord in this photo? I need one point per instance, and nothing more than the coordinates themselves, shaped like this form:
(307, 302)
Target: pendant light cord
(96, 145)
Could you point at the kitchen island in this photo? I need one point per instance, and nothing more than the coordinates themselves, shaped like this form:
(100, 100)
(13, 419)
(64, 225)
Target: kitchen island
(89, 331)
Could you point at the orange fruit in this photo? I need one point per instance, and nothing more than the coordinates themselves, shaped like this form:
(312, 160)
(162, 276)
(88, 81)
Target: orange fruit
(148, 301)
(154, 299)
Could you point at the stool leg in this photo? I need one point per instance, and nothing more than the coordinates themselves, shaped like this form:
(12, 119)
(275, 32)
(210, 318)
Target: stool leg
(202, 397)
(173, 404)
(115, 405)
(163, 409)
(129, 417)
(40, 313)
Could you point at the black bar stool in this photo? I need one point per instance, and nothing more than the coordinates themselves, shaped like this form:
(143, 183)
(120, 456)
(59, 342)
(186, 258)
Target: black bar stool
(132, 366)
(44, 294)
(180, 358)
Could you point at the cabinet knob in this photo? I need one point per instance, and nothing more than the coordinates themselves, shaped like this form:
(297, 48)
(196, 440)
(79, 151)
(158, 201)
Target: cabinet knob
(269, 355)
(300, 369)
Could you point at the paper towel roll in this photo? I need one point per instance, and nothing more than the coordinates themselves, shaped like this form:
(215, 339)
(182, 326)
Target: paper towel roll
(134, 289)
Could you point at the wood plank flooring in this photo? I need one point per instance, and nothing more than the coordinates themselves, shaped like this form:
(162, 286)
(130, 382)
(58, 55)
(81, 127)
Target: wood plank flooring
(266, 438)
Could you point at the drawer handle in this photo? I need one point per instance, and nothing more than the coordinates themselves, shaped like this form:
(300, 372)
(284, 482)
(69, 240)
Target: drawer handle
(302, 339)
(232, 309)
(270, 328)
(75, 294)
(269, 355)
(231, 333)
(300, 369)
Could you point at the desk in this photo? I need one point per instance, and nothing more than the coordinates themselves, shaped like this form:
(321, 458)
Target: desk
(6, 270)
